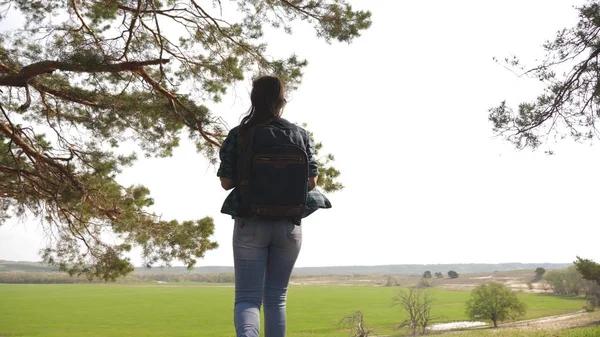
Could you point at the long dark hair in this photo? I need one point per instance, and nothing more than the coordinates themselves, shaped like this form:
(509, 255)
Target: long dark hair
(268, 99)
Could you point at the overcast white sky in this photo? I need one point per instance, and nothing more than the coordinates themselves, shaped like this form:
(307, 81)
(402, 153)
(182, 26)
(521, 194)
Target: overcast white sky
(404, 110)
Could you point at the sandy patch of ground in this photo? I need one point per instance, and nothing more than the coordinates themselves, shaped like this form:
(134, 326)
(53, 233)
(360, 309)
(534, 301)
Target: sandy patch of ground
(456, 325)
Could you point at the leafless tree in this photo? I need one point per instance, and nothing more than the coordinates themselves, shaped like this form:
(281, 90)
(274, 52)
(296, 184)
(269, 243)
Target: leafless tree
(356, 322)
(418, 304)
(391, 282)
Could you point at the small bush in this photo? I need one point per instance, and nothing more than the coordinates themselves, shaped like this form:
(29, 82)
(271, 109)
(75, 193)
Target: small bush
(425, 283)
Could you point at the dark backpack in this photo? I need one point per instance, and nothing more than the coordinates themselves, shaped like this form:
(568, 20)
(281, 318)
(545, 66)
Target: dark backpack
(274, 171)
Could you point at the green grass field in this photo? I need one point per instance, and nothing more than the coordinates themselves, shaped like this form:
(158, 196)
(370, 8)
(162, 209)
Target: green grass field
(192, 310)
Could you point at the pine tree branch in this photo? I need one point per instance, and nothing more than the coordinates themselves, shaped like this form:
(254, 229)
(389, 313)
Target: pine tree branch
(7, 130)
(302, 10)
(85, 26)
(132, 25)
(31, 71)
(173, 97)
(210, 20)
(67, 96)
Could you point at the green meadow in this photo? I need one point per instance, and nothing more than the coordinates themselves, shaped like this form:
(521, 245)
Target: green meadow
(204, 310)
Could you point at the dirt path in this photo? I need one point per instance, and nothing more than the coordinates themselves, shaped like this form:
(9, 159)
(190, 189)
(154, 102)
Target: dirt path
(550, 320)
(565, 321)
(557, 322)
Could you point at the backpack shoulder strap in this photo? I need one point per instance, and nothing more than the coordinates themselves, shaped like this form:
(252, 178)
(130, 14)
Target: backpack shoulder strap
(244, 157)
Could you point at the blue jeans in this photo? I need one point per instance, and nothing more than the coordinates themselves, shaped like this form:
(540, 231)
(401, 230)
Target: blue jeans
(264, 255)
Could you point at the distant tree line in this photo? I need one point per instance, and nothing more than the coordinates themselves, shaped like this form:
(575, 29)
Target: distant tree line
(451, 274)
(43, 278)
(147, 276)
(54, 278)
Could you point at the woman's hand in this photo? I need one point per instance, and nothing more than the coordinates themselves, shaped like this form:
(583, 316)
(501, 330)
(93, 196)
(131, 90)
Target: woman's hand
(312, 182)
(227, 183)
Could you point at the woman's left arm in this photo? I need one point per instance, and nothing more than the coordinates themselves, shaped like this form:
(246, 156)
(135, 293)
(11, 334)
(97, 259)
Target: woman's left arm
(228, 155)
(313, 166)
